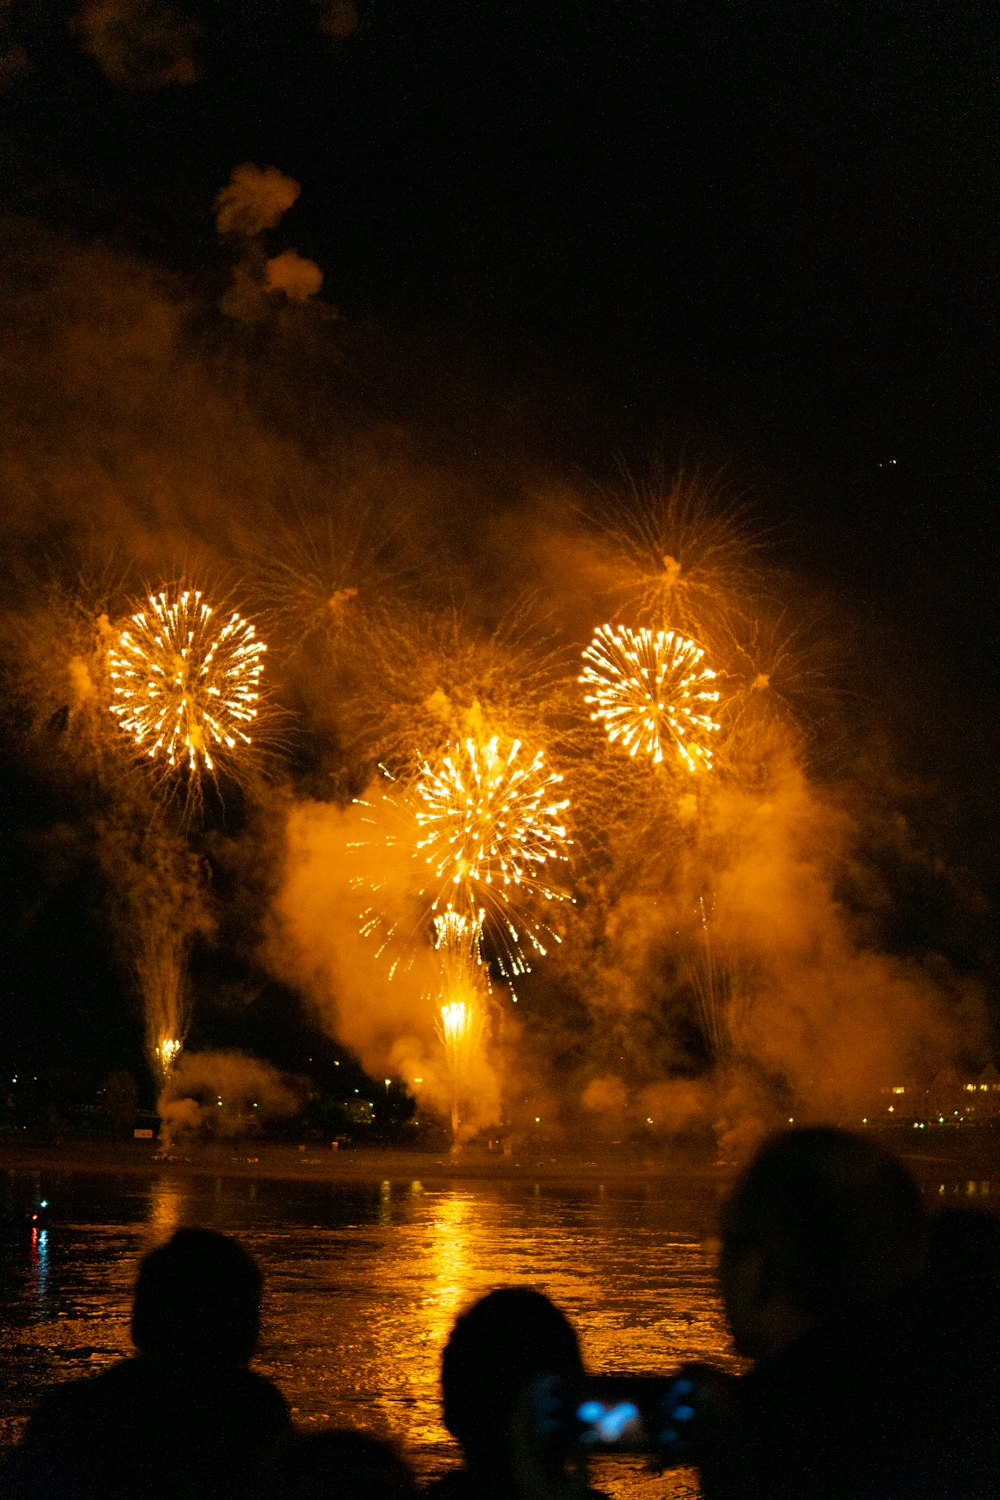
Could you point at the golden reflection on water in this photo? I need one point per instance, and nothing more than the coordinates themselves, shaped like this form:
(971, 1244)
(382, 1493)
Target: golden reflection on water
(363, 1282)
(364, 1279)
(166, 1208)
(448, 1256)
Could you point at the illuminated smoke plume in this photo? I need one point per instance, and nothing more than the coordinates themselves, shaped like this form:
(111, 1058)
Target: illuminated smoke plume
(315, 943)
(55, 671)
(254, 199)
(651, 690)
(253, 202)
(290, 273)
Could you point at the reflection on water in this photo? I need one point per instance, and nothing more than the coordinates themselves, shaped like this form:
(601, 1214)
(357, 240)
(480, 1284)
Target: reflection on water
(166, 1208)
(364, 1280)
(39, 1251)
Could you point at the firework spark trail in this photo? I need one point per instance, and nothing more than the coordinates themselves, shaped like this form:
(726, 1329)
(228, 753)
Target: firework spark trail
(183, 686)
(652, 692)
(681, 552)
(161, 969)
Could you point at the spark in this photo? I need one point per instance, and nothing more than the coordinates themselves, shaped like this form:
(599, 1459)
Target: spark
(652, 692)
(186, 681)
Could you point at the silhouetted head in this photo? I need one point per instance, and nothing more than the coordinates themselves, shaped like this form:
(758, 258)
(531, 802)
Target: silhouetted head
(819, 1223)
(500, 1344)
(339, 1465)
(197, 1297)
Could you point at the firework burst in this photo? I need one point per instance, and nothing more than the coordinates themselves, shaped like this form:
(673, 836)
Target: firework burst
(433, 679)
(491, 826)
(186, 681)
(483, 834)
(651, 690)
(334, 575)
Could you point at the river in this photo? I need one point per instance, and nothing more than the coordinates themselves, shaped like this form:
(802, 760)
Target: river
(363, 1279)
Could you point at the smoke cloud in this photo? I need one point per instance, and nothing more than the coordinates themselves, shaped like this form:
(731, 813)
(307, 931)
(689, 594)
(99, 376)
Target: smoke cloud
(139, 44)
(224, 1094)
(337, 865)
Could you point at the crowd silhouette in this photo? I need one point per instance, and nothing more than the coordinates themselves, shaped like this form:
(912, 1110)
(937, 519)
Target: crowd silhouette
(871, 1332)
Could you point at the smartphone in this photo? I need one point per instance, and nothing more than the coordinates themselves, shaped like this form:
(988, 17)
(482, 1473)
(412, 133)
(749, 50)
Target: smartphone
(617, 1414)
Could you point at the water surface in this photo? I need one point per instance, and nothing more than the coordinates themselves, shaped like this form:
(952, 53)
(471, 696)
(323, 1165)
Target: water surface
(363, 1282)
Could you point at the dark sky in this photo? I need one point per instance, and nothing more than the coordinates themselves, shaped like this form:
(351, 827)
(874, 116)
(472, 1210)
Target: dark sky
(762, 227)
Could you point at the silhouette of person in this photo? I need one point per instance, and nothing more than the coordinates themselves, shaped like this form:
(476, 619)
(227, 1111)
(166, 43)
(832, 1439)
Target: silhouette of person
(828, 1287)
(184, 1416)
(338, 1464)
(496, 1349)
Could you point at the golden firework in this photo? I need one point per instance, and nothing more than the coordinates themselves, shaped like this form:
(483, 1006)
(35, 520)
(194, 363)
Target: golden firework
(461, 1009)
(676, 551)
(491, 824)
(186, 680)
(652, 691)
(166, 1051)
(457, 939)
(455, 1021)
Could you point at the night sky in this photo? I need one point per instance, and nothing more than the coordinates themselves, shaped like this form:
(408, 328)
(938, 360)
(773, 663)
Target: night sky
(756, 236)
(763, 231)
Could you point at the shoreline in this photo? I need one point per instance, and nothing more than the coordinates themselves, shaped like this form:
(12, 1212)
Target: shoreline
(956, 1153)
(312, 1164)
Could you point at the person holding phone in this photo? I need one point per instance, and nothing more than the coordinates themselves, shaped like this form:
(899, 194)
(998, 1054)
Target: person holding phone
(497, 1351)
